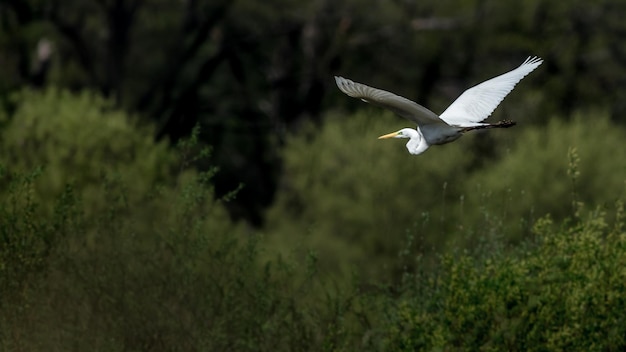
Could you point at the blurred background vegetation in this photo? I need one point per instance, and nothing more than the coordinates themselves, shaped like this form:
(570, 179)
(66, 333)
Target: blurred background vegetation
(184, 175)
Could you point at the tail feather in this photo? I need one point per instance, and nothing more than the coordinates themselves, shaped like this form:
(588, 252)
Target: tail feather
(499, 124)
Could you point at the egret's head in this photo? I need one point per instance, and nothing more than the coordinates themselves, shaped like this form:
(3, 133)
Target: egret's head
(403, 133)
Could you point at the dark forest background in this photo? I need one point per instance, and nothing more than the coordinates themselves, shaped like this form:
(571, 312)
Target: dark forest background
(250, 74)
(185, 175)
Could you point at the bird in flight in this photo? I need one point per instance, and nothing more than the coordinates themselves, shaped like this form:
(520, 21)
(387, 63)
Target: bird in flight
(466, 113)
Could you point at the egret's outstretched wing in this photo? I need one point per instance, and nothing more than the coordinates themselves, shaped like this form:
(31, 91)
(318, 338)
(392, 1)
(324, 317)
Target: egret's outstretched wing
(478, 102)
(401, 106)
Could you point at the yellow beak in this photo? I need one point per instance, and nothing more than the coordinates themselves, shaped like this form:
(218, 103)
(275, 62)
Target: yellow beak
(390, 135)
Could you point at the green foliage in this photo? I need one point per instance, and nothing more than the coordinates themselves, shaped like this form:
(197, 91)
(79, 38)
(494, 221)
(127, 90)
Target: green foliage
(25, 241)
(110, 263)
(107, 263)
(352, 198)
(357, 200)
(81, 139)
(541, 174)
(187, 281)
(109, 242)
(97, 220)
(254, 72)
(565, 292)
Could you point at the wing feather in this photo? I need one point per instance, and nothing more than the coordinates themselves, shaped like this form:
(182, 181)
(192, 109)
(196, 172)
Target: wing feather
(400, 105)
(478, 102)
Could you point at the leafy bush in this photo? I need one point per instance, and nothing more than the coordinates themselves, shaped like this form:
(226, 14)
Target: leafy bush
(565, 292)
(112, 251)
(546, 169)
(80, 139)
(110, 260)
(189, 281)
(25, 241)
(186, 282)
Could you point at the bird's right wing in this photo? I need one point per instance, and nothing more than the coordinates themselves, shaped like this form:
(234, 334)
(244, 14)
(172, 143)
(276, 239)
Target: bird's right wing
(400, 105)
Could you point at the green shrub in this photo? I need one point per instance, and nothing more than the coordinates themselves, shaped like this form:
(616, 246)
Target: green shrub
(95, 256)
(98, 249)
(123, 248)
(26, 241)
(81, 139)
(546, 169)
(188, 281)
(565, 292)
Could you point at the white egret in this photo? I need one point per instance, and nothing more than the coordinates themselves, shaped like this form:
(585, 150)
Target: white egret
(465, 114)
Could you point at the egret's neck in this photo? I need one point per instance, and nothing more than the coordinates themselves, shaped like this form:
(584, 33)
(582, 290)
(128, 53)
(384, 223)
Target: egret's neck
(417, 143)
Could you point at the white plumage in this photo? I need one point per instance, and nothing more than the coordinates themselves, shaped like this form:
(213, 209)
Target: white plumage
(478, 102)
(466, 113)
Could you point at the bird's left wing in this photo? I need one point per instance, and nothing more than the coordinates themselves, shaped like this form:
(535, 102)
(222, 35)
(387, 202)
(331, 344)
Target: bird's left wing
(400, 105)
(478, 102)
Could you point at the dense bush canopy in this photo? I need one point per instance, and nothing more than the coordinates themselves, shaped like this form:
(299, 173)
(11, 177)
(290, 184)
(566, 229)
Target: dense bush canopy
(565, 292)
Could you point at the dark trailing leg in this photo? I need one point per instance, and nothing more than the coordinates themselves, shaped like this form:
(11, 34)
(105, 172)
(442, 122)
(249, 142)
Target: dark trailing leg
(499, 124)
